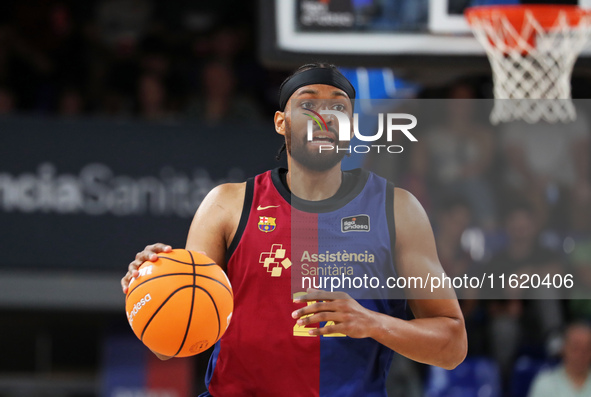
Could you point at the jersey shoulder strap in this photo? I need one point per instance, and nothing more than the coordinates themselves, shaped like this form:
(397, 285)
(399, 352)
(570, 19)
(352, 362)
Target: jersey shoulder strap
(390, 215)
(246, 206)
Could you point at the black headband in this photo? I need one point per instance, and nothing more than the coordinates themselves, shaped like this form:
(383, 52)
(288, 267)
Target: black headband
(315, 76)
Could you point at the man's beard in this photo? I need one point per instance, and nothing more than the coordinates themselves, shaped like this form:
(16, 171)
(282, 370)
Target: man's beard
(311, 158)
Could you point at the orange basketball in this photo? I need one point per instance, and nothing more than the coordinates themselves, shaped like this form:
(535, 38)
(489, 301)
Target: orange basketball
(181, 304)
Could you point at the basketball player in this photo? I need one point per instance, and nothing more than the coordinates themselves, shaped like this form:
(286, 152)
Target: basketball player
(335, 345)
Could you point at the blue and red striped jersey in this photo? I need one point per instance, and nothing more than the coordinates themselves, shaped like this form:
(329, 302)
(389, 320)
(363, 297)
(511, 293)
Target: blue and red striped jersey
(282, 241)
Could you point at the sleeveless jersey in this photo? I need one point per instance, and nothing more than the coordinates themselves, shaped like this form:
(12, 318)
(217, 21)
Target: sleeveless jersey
(263, 352)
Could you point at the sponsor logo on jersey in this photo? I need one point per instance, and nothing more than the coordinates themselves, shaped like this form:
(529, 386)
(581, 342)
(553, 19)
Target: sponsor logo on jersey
(338, 256)
(267, 224)
(356, 223)
(275, 260)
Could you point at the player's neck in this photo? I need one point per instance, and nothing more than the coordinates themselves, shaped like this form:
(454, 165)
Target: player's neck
(313, 185)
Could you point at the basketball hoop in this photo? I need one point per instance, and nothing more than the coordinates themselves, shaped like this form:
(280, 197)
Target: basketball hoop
(532, 50)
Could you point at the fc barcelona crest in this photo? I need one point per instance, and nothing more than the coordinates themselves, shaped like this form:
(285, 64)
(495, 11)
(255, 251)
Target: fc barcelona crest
(266, 224)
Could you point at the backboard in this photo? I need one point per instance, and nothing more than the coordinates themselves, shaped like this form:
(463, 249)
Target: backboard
(414, 36)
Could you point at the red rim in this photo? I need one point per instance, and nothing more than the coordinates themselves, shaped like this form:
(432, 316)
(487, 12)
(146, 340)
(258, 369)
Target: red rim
(546, 15)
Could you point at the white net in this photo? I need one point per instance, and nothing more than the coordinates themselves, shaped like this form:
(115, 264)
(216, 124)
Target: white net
(532, 66)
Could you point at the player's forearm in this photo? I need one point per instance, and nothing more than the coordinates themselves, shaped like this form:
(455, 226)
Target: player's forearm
(439, 341)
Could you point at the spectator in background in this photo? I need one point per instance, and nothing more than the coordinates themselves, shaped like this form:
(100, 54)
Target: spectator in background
(5, 33)
(578, 248)
(49, 49)
(152, 98)
(157, 59)
(33, 38)
(573, 377)
(154, 58)
(454, 217)
(457, 155)
(123, 22)
(220, 100)
(517, 324)
(120, 81)
(120, 29)
(226, 44)
(549, 165)
(6, 101)
(71, 55)
(70, 102)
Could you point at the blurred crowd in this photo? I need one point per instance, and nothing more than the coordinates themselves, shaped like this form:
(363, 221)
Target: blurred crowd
(126, 58)
(510, 199)
(517, 199)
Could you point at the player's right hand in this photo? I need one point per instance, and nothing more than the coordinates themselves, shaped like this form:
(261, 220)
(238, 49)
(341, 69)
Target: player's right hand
(150, 253)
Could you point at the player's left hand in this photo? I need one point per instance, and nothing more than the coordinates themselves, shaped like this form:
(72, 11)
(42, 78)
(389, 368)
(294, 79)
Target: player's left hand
(349, 317)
